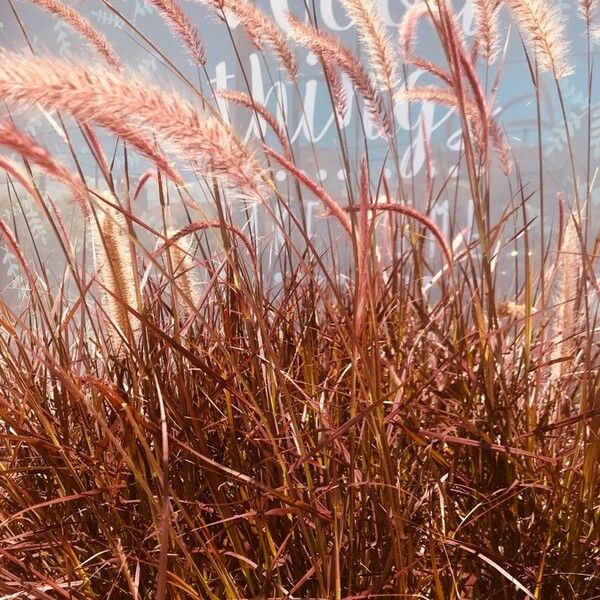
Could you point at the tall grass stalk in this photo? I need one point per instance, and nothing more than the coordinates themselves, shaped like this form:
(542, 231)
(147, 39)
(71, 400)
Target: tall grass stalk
(384, 418)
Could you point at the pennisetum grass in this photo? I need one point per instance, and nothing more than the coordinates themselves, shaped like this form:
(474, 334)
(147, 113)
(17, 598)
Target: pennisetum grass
(335, 55)
(115, 266)
(183, 267)
(204, 408)
(544, 27)
(183, 27)
(377, 44)
(124, 105)
(487, 14)
(75, 21)
(261, 30)
(568, 274)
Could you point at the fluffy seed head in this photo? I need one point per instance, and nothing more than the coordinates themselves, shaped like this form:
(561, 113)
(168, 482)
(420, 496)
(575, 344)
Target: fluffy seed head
(114, 265)
(542, 23)
(129, 106)
(587, 10)
(183, 27)
(180, 255)
(373, 35)
(82, 26)
(27, 147)
(488, 28)
(261, 110)
(407, 34)
(335, 55)
(568, 273)
(260, 29)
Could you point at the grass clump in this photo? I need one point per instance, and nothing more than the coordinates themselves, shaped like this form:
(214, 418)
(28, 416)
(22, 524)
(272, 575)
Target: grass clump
(383, 421)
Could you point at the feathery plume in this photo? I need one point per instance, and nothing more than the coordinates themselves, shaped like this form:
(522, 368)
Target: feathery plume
(408, 35)
(488, 28)
(331, 52)
(82, 26)
(183, 267)
(427, 161)
(114, 265)
(260, 29)
(461, 64)
(11, 241)
(373, 36)
(338, 93)
(58, 85)
(541, 22)
(125, 105)
(183, 27)
(261, 110)
(430, 93)
(587, 10)
(568, 273)
(447, 97)
(407, 32)
(142, 181)
(27, 147)
(363, 207)
(502, 147)
(464, 66)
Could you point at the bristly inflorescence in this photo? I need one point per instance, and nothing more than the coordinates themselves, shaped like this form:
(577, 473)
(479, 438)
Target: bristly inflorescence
(260, 29)
(183, 27)
(27, 147)
(182, 264)
(568, 272)
(78, 23)
(336, 56)
(588, 10)
(242, 99)
(128, 107)
(375, 40)
(487, 16)
(544, 26)
(116, 269)
(407, 34)
(278, 429)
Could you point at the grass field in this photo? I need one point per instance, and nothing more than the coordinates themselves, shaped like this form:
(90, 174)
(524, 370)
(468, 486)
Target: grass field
(383, 421)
